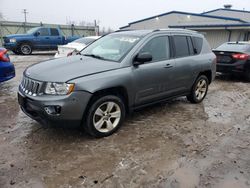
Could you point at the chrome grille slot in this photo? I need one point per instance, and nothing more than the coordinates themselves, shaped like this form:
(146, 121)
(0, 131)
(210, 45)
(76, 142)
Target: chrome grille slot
(31, 87)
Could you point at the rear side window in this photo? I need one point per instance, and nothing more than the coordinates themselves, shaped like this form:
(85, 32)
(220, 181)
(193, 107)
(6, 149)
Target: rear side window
(181, 46)
(198, 42)
(54, 32)
(158, 47)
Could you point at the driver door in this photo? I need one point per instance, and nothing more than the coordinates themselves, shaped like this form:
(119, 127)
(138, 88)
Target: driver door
(42, 39)
(154, 79)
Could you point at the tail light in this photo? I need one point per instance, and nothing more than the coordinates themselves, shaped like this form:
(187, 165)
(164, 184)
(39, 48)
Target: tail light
(4, 56)
(240, 56)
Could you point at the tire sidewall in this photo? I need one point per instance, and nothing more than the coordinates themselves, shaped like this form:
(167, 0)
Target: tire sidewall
(25, 44)
(89, 126)
(194, 98)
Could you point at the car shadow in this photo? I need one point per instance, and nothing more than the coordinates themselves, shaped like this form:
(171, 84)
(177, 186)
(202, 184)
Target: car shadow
(231, 78)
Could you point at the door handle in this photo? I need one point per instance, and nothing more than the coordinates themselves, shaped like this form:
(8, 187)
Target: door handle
(46, 37)
(168, 66)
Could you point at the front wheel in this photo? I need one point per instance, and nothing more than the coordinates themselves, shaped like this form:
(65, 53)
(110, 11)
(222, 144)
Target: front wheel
(105, 116)
(25, 49)
(199, 90)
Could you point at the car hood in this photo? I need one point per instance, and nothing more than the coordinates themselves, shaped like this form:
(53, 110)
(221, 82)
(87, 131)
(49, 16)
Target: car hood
(17, 35)
(68, 68)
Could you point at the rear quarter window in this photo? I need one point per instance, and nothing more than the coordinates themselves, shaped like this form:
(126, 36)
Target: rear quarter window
(197, 42)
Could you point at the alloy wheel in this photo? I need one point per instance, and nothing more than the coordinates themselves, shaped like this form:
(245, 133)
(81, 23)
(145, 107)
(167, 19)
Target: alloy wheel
(106, 117)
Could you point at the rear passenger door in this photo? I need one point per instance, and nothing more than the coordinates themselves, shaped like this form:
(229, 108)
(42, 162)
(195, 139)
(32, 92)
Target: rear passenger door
(55, 38)
(186, 66)
(152, 80)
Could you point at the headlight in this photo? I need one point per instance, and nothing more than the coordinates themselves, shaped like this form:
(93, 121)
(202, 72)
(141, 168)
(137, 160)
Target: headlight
(12, 40)
(53, 88)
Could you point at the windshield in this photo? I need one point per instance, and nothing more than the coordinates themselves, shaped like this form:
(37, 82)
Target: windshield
(112, 47)
(240, 47)
(31, 31)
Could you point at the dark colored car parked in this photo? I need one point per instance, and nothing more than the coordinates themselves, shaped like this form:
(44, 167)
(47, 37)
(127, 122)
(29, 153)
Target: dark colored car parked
(117, 74)
(234, 57)
(7, 69)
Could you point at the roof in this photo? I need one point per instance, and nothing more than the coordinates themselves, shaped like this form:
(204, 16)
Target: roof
(145, 32)
(226, 9)
(135, 32)
(185, 13)
(210, 25)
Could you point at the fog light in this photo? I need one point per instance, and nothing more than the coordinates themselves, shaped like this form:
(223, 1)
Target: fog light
(53, 110)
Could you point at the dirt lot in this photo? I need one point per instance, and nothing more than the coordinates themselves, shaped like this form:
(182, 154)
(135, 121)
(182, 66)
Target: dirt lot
(176, 144)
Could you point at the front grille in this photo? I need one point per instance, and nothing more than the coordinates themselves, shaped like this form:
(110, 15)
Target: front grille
(6, 40)
(31, 87)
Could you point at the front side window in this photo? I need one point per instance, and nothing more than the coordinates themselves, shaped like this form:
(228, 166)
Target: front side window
(43, 32)
(158, 47)
(181, 46)
(113, 47)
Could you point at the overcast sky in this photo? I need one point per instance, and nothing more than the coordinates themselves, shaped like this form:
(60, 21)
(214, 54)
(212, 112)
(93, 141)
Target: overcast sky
(110, 13)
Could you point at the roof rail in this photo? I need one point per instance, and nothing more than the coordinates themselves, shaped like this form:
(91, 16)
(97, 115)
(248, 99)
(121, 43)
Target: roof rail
(120, 30)
(173, 29)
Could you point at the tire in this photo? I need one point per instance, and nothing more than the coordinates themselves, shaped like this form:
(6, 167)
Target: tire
(25, 49)
(199, 90)
(247, 74)
(99, 121)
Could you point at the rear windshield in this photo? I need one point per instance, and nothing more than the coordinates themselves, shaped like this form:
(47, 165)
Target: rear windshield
(238, 47)
(85, 40)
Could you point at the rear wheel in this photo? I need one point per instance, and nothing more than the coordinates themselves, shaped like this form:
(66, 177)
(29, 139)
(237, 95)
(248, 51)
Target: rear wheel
(25, 49)
(199, 90)
(105, 116)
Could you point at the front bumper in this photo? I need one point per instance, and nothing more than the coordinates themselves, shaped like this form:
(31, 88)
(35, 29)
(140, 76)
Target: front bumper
(72, 107)
(230, 68)
(7, 71)
(10, 45)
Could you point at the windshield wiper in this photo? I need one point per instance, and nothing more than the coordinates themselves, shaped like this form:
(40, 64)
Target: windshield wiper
(94, 56)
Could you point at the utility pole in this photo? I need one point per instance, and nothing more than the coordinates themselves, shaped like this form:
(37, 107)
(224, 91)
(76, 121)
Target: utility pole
(96, 28)
(25, 18)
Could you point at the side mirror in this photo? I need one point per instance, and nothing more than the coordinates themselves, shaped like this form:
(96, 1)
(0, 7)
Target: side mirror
(142, 58)
(37, 33)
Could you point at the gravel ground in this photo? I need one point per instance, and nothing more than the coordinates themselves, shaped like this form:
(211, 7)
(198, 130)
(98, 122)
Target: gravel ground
(175, 144)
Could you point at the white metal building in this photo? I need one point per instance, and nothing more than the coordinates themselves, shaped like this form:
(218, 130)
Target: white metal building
(218, 26)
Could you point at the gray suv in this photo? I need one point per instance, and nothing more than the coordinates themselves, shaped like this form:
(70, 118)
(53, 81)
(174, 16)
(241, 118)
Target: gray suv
(118, 73)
